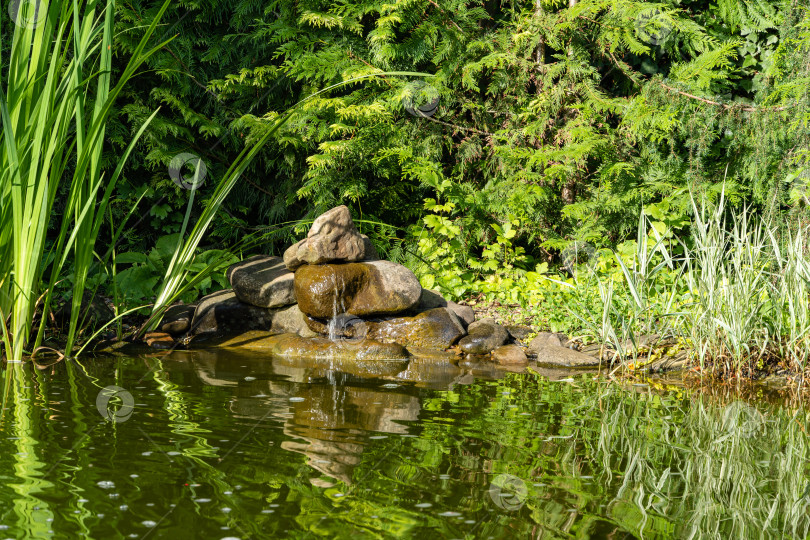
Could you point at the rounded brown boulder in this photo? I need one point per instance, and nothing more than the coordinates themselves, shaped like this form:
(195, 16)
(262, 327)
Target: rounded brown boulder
(483, 336)
(363, 289)
(436, 328)
(509, 355)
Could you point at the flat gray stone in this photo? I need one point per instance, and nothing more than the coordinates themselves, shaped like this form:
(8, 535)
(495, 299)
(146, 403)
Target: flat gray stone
(430, 299)
(553, 355)
(223, 313)
(518, 331)
(263, 281)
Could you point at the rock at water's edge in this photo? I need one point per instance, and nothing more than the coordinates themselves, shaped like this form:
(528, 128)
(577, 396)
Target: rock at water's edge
(509, 355)
(317, 348)
(177, 319)
(483, 336)
(552, 355)
(159, 340)
(291, 320)
(222, 312)
(436, 328)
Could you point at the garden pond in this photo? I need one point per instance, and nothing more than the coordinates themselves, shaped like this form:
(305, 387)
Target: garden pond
(228, 444)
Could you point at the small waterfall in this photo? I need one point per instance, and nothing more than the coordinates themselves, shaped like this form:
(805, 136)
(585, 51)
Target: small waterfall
(338, 307)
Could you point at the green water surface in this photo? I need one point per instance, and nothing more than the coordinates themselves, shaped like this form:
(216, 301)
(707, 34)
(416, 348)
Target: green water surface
(233, 445)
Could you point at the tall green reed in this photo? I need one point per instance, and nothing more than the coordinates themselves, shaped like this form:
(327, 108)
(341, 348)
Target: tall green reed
(58, 97)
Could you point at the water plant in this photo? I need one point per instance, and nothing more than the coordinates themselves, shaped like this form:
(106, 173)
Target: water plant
(736, 296)
(54, 110)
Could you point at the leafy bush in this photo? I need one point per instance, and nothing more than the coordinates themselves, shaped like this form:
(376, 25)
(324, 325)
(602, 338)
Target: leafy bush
(137, 284)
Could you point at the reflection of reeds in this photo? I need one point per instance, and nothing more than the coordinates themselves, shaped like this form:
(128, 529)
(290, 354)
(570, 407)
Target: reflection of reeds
(712, 471)
(28, 467)
(599, 459)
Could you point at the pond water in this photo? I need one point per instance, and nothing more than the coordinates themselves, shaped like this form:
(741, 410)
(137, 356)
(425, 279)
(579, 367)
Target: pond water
(227, 445)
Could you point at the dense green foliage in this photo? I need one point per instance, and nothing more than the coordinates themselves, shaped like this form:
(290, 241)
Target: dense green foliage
(565, 117)
(539, 130)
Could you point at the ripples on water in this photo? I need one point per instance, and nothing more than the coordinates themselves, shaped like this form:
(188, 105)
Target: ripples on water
(222, 445)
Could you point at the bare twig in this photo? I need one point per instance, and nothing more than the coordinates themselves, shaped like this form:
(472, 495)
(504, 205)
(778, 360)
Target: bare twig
(719, 104)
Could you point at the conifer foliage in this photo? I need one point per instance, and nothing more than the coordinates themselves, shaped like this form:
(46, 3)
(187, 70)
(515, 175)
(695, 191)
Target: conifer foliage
(565, 117)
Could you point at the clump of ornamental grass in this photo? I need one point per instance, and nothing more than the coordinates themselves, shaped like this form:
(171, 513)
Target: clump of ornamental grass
(54, 109)
(736, 297)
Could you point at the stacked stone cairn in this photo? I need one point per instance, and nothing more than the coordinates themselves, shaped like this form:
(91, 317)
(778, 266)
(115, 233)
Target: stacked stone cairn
(331, 295)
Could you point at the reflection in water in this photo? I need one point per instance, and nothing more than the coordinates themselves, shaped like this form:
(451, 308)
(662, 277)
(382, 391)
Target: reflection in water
(238, 445)
(328, 409)
(332, 423)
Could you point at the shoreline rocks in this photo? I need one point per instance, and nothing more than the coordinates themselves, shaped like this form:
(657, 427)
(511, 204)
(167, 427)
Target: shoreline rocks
(483, 337)
(552, 355)
(331, 299)
(509, 355)
(317, 348)
(223, 312)
(437, 328)
(177, 319)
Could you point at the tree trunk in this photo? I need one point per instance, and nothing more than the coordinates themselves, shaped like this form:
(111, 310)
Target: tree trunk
(540, 51)
(569, 189)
